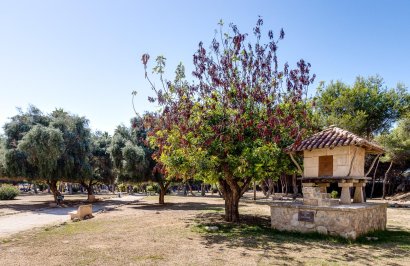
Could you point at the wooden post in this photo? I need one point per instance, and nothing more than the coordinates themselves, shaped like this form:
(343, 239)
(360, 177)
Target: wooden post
(351, 162)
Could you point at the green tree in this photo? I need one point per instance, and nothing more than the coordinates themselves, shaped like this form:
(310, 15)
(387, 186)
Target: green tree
(73, 164)
(397, 145)
(366, 108)
(100, 162)
(2, 156)
(21, 159)
(238, 113)
(15, 160)
(43, 147)
(131, 157)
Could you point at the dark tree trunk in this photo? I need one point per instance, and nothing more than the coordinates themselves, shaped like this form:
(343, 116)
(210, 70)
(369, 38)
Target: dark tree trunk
(231, 202)
(53, 187)
(268, 187)
(163, 191)
(232, 193)
(294, 185)
(254, 190)
(203, 189)
(374, 178)
(89, 188)
(190, 190)
(386, 175)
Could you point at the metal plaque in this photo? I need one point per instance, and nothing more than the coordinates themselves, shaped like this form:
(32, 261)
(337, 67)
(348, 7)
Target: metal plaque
(306, 216)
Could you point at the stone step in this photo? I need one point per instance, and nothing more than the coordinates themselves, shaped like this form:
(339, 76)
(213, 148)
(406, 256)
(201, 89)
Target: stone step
(328, 202)
(312, 202)
(310, 190)
(316, 195)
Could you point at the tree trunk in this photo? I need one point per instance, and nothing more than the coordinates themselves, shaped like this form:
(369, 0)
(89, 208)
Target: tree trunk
(283, 183)
(385, 179)
(190, 190)
(294, 185)
(53, 187)
(232, 193)
(89, 188)
(254, 190)
(161, 196)
(374, 178)
(231, 202)
(203, 189)
(163, 191)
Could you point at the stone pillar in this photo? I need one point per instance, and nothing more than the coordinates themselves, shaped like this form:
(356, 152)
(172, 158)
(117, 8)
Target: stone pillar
(358, 192)
(345, 195)
(323, 187)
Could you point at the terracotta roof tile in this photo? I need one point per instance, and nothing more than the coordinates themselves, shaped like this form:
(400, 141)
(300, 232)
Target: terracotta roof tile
(334, 137)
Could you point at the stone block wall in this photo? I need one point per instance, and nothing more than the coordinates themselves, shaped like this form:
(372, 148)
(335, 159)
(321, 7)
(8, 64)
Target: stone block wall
(348, 221)
(314, 196)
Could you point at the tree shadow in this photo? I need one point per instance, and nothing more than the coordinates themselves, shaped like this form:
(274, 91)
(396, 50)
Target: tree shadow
(254, 233)
(183, 206)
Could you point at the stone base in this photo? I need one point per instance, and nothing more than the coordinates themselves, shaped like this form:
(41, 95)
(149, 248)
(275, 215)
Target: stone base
(348, 221)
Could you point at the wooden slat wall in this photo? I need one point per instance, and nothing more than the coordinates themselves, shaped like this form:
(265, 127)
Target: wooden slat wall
(326, 165)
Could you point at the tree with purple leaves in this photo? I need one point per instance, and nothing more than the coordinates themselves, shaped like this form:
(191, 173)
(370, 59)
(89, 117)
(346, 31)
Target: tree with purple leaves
(229, 126)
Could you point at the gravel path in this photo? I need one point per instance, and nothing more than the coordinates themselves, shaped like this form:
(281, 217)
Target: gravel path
(11, 224)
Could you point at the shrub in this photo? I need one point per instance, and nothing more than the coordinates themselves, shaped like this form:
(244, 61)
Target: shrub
(121, 187)
(8, 192)
(153, 188)
(334, 194)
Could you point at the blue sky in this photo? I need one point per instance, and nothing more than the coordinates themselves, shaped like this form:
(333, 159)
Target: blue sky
(84, 56)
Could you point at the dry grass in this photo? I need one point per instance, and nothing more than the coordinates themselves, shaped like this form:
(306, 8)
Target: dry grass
(148, 234)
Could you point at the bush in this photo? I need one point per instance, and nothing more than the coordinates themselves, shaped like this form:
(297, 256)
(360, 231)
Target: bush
(121, 187)
(153, 188)
(8, 192)
(334, 194)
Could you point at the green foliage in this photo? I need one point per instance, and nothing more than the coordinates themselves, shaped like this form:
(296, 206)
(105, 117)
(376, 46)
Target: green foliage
(130, 157)
(2, 156)
(122, 187)
(43, 146)
(153, 188)
(365, 108)
(397, 143)
(334, 194)
(8, 192)
(53, 147)
(74, 162)
(100, 158)
(231, 124)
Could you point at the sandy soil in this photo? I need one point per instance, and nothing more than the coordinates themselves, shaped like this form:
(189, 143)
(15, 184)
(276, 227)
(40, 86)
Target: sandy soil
(145, 233)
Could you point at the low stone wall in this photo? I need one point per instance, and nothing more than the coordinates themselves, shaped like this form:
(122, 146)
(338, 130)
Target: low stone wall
(348, 221)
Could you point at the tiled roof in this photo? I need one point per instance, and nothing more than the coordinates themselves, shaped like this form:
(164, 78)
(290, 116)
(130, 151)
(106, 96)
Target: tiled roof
(334, 137)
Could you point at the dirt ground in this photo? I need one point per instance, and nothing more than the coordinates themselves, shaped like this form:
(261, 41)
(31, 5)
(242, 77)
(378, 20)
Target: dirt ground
(31, 202)
(145, 233)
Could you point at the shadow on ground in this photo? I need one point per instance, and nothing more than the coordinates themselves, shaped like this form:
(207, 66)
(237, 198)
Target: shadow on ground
(14, 206)
(184, 206)
(254, 233)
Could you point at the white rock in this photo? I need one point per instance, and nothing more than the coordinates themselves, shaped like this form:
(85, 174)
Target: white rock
(211, 228)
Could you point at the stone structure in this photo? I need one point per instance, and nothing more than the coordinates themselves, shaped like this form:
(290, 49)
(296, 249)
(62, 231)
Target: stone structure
(332, 155)
(348, 221)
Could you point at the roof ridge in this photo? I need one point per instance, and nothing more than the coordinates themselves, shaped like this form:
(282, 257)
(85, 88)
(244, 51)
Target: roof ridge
(334, 136)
